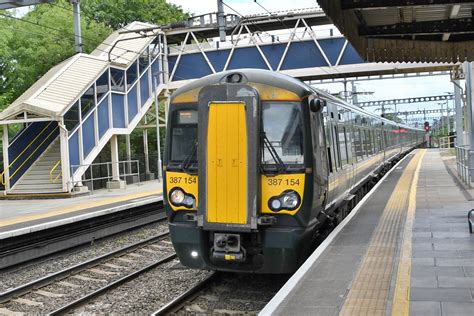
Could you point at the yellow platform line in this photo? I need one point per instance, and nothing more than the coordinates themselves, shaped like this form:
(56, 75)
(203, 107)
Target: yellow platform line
(401, 299)
(104, 202)
(368, 294)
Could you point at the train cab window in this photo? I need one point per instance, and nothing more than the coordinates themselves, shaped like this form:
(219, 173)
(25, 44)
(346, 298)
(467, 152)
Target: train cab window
(184, 129)
(282, 125)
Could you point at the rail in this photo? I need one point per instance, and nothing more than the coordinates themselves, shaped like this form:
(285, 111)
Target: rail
(462, 164)
(2, 175)
(52, 172)
(126, 164)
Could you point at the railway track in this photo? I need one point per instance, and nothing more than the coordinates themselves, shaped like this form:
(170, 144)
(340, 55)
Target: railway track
(64, 290)
(226, 293)
(15, 250)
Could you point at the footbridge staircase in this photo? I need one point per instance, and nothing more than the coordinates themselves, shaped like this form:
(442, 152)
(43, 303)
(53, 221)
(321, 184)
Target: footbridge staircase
(75, 109)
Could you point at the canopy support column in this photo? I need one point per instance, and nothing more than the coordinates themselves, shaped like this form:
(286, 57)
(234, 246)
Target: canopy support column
(458, 114)
(65, 170)
(116, 182)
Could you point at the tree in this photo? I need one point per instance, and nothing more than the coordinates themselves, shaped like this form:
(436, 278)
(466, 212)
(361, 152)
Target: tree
(30, 46)
(44, 37)
(118, 13)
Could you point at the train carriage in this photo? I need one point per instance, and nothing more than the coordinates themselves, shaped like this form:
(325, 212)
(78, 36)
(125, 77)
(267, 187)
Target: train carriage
(256, 163)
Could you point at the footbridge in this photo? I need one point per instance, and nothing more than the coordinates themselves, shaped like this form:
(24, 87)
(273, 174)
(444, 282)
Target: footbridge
(80, 105)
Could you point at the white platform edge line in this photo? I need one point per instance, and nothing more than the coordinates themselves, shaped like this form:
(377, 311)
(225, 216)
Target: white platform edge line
(59, 222)
(276, 301)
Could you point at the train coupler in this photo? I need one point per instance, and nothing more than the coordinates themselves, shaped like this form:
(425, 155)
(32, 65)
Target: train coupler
(227, 247)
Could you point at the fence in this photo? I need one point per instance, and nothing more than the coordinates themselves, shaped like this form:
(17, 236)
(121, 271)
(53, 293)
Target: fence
(462, 164)
(127, 168)
(447, 142)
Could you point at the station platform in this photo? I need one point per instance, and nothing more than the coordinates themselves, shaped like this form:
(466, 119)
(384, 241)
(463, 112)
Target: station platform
(18, 217)
(406, 249)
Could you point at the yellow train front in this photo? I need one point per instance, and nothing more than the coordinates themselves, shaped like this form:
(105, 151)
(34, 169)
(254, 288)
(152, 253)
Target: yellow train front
(241, 192)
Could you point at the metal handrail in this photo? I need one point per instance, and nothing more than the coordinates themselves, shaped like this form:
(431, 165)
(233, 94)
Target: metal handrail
(462, 164)
(52, 172)
(2, 178)
(109, 176)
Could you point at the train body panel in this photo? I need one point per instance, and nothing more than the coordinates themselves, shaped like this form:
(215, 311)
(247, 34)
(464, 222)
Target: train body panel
(257, 162)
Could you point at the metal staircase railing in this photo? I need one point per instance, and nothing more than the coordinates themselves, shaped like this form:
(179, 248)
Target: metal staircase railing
(119, 109)
(51, 173)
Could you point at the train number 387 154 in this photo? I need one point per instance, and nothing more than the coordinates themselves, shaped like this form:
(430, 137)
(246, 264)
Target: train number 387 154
(289, 182)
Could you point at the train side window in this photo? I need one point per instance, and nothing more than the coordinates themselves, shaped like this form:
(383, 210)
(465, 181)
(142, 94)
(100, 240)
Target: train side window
(363, 153)
(349, 145)
(373, 142)
(343, 145)
(367, 142)
(358, 143)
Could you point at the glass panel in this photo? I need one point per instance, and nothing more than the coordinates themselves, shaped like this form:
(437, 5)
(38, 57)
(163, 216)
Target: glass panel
(102, 85)
(103, 112)
(184, 135)
(71, 118)
(132, 104)
(74, 151)
(87, 102)
(131, 75)
(144, 61)
(155, 74)
(88, 135)
(117, 79)
(144, 89)
(118, 111)
(282, 126)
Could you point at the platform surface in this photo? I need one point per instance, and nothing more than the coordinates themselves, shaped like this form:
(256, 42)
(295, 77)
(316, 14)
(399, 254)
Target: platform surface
(21, 216)
(406, 250)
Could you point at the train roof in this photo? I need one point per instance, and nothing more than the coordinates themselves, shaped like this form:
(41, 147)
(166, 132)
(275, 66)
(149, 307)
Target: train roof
(252, 75)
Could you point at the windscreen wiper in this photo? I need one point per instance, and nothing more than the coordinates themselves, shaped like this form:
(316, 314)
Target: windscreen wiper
(281, 167)
(188, 159)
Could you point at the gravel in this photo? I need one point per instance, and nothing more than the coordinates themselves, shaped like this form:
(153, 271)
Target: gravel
(56, 295)
(147, 293)
(14, 277)
(235, 293)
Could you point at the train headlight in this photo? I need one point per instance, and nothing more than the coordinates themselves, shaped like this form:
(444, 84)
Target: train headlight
(288, 200)
(177, 196)
(275, 204)
(180, 198)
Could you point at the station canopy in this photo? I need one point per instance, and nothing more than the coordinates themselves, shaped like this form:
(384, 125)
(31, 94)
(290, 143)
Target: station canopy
(406, 30)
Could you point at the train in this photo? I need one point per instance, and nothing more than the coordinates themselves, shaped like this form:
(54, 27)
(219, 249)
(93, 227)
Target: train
(257, 164)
